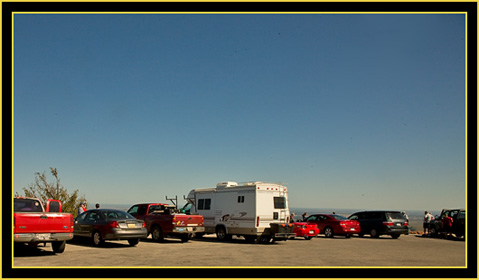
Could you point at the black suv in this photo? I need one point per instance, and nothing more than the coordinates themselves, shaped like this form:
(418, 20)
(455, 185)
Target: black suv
(458, 222)
(376, 223)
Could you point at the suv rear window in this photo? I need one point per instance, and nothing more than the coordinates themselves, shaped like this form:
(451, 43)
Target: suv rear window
(394, 215)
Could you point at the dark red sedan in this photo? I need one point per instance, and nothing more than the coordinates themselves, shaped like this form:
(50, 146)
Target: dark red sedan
(332, 224)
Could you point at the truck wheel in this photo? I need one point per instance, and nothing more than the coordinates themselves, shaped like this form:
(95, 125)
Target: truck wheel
(96, 239)
(184, 238)
(328, 232)
(157, 234)
(58, 246)
(133, 242)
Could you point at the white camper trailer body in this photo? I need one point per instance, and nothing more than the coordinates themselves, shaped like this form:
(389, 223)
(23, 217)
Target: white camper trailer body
(244, 210)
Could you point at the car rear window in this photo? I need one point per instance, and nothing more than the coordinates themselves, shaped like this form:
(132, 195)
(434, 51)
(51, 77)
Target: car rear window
(339, 217)
(394, 215)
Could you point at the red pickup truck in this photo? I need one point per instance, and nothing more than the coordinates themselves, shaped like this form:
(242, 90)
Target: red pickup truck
(163, 220)
(33, 224)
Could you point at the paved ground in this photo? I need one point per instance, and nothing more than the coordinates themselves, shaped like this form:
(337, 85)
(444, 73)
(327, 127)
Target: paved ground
(407, 251)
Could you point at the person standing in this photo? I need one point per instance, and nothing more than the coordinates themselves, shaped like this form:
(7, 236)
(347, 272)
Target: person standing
(304, 216)
(447, 224)
(427, 220)
(82, 208)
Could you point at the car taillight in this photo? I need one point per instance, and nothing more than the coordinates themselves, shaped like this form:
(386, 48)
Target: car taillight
(388, 223)
(342, 224)
(143, 225)
(405, 223)
(114, 224)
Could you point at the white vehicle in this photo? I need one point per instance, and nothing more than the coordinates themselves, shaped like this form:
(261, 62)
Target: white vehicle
(255, 210)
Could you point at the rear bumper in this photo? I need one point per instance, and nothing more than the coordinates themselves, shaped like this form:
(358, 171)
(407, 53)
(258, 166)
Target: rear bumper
(281, 236)
(42, 237)
(397, 231)
(188, 229)
(126, 234)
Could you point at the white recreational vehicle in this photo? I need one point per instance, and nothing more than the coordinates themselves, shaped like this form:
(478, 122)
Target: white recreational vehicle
(255, 210)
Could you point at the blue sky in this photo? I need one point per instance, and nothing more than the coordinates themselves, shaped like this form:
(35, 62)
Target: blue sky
(349, 110)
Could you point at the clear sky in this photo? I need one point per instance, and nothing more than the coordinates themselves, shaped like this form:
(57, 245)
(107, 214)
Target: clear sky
(348, 110)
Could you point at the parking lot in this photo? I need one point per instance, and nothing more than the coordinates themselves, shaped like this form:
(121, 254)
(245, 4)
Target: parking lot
(407, 251)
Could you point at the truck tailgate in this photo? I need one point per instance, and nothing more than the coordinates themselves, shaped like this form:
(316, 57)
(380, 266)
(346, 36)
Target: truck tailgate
(42, 222)
(183, 220)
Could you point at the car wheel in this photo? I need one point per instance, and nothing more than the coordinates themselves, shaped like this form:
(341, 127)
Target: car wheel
(58, 246)
(157, 234)
(96, 239)
(307, 237)
(328, 232)
(133, 242)
(395, 236)
(374, 233)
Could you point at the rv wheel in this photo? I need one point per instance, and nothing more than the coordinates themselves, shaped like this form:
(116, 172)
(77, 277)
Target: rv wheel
(264, 239)
(221, 234)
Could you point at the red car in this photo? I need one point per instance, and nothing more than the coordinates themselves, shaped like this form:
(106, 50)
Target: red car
(306, 230)
(332, 224)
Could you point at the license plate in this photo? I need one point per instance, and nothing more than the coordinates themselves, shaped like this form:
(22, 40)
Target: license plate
(131, 226)
(43, 236)
(353, 229)
(181, 229)
(398, 224)
(311, 232)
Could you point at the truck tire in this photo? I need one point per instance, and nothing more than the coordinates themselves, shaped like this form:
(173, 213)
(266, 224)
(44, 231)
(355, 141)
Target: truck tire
(58, 246)
(157, 233)
(184, 237)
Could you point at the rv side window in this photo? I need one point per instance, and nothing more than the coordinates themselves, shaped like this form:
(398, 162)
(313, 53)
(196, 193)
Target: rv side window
(241, 199)
(279, 202)
(204, 204)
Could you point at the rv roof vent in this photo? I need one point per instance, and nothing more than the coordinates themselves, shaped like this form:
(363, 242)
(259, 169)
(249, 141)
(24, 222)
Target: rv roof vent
(226, 184)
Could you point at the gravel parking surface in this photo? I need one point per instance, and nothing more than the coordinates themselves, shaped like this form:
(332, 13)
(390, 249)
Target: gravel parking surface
(407, 251)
